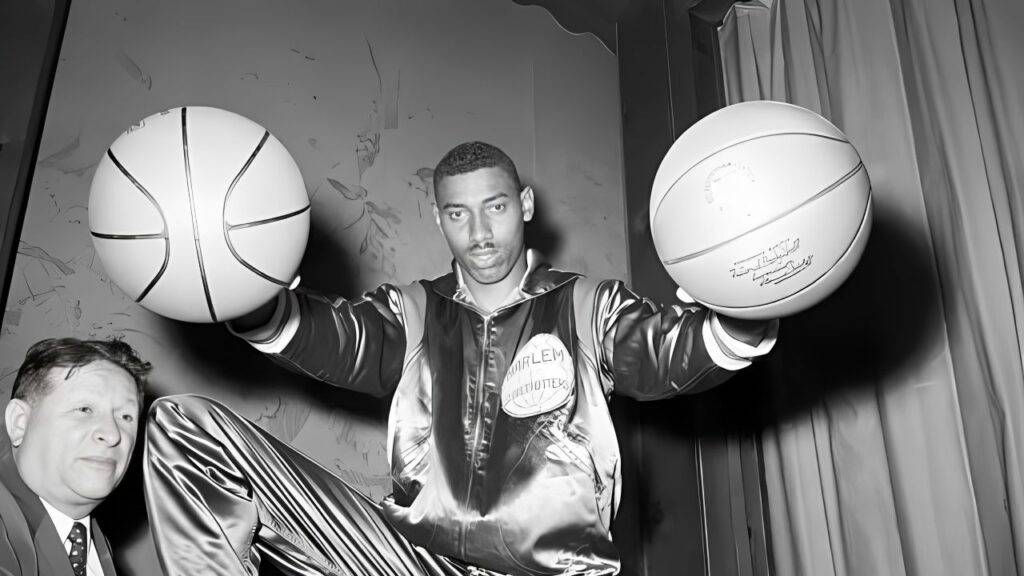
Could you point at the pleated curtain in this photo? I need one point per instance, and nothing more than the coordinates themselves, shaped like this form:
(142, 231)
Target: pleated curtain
(893, 430)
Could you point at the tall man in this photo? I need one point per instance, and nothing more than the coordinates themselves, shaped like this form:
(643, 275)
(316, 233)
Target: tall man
(72, 421)
(502, 450)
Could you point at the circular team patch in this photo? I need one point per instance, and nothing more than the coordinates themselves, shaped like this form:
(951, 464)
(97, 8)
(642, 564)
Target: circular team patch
(540, 379)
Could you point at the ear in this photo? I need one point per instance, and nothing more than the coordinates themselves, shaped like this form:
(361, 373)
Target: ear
(16, 419)
(437, 218)
(526, 200)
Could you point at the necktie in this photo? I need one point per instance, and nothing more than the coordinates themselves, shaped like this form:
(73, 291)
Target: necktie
(79, 548)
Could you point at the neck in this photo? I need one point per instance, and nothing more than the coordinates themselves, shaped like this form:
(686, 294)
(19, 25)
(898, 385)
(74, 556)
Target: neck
(489, 296)
(76, 513)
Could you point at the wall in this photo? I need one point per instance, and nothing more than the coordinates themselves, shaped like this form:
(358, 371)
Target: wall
(363, 94)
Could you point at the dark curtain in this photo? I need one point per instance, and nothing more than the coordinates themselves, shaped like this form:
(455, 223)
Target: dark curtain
(894, 436)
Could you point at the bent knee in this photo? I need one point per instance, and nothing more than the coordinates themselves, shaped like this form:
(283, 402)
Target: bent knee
(179, 403)
(179, 408)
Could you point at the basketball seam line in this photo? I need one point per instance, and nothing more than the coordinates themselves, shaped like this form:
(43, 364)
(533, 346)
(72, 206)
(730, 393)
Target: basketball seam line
(270, 220)
(192, 205)
(863, 219)
(128, 236)
(831, 187)
(734, 144)
(163, 222)
(227, 228)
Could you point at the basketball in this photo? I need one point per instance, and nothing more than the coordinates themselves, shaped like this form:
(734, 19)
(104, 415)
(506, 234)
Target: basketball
(199, 214)
(760, 210)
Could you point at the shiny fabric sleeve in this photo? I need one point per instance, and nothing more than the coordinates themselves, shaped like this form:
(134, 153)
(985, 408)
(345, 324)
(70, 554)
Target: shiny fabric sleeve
(649, 351)
(354, 344)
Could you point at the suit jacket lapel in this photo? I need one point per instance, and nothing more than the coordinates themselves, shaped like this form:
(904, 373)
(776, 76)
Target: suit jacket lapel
(50, 553)
(102, 549)
(53, 558)
(15, 524)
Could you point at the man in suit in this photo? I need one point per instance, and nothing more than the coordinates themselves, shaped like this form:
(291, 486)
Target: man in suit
(72, 422)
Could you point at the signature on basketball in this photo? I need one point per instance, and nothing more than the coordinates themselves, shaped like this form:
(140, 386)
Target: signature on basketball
(774, 265)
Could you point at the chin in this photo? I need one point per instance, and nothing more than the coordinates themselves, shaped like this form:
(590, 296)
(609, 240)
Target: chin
(95, 491)
(496, 272)
(96, 487)
(489, 275)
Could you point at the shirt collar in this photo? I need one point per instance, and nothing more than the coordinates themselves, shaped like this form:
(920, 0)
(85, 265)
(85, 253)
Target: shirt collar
(63, 523)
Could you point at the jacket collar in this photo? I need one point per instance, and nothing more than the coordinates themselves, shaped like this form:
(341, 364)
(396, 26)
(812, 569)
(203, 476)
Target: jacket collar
(44, 534)
(30, 504)
(540, 277)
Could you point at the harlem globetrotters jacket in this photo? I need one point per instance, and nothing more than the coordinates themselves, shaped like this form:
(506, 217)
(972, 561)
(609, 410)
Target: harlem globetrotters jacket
(500, 441)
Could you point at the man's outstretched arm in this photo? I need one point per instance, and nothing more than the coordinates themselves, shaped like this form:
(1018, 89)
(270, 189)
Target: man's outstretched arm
(354, 344)
(651, 352)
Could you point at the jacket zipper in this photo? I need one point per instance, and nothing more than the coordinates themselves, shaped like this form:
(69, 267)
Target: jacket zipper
(478, 398)
(478, 427)
(478, 402)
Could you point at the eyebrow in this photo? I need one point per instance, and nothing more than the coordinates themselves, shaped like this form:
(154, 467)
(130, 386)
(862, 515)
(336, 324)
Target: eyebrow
(448, 205)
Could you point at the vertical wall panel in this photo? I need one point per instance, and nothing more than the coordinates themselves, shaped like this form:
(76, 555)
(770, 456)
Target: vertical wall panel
(30, 38)
(661, 458)
(698, 482)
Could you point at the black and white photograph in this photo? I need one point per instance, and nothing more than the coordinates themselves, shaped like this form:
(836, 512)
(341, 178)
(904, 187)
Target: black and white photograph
(512, 288)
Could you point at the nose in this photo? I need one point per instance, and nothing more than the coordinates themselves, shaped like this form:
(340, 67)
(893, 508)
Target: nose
(479, 229)
(107, 431)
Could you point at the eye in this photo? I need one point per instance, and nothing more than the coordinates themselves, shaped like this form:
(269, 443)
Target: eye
(84, 409)
(456, 214)
(499, 207)
(129, 418)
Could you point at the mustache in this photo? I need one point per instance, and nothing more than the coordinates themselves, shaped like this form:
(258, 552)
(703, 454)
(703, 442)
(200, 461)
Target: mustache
(482, 246)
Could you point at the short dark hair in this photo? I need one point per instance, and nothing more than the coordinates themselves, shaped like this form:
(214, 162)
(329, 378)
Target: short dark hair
(32, 383)
(470, 156)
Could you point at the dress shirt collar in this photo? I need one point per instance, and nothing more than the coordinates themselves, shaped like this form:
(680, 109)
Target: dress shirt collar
(62, 522)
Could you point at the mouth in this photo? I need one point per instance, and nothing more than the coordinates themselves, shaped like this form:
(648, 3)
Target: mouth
(99, 462)
(484, 252)
(485, 258)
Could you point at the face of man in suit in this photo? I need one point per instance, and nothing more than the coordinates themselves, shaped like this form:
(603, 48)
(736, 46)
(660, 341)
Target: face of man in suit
(73, 443)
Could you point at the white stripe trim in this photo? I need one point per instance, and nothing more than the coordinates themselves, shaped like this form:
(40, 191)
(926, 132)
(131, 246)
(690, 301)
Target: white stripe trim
(715, 349)
(739, 348)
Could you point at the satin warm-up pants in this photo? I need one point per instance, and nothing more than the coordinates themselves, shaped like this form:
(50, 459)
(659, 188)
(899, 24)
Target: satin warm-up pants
(223, 494)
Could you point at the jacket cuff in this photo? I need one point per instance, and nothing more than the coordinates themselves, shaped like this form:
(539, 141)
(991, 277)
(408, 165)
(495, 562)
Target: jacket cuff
(274, 336)
(730, 353)
(740, 348)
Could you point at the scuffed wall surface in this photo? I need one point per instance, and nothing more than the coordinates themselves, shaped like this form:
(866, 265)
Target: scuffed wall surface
(366, 95)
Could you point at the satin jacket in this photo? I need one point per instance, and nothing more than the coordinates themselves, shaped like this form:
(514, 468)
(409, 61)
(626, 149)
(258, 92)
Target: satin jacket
(500, 441)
